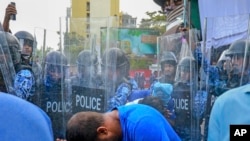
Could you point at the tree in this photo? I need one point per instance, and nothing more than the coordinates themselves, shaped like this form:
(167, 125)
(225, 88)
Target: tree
(73, 44)
(156, 20)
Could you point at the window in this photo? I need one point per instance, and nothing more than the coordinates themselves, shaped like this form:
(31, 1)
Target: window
(88, 6)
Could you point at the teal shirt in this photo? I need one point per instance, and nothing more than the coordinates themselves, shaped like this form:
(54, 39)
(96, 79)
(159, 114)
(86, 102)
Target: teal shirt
(233, 107)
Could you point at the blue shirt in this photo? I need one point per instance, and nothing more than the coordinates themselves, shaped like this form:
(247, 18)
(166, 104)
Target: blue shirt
(144, 123)
(230, 108)
(23, 121)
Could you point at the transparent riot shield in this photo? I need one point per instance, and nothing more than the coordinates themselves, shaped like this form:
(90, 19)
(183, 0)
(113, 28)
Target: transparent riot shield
(140, 47)
(7, 68)
(189, 100)
(54, 96)
(93, 37)
(36, 62)
(225, 57)
(169, 48)
(83, 48)
(52, 88)
(179, 67)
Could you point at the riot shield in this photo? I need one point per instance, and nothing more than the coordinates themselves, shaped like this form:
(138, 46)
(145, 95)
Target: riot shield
(172, 43)
(169, 48)
(7, 68)
(115, 71)
(86, 70)
(54, 92)
(37, 62)
(82, 45)
(88, 99)
(178, 63)
(140, 46)
(134, 59)
(225, 56)
(187, 100)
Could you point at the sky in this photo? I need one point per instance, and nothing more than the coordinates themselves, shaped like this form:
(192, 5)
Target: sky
(36, 15)
(138, 8)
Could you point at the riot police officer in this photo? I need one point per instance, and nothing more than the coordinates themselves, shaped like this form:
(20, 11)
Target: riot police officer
(185, 72)
(28, 49)
(54, 95)
(239, 52)
(115, 70)
(10, 61)
(189, 102)
(22, 77)
(27, 42)
(168, 67)
(87, 65)
(27, 46)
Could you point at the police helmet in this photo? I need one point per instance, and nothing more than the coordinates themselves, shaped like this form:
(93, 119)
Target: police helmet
(169, 58)
(86, 58)
(187, 63)
(239, 47)
(116, 58)
(56, 58)
(56, 64)
(14, 47)
(26, 37)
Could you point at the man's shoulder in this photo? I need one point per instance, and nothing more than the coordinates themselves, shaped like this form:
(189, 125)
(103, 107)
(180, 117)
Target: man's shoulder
(136, 108)
(234, 94)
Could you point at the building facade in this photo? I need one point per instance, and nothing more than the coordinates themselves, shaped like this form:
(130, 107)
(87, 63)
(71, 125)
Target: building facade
(87, 16)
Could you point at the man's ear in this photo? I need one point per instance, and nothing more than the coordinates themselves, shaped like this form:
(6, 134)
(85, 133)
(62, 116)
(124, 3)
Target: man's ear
(102, 130)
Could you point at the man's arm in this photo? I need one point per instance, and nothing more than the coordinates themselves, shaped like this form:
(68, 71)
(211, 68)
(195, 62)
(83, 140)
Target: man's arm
(10, 10)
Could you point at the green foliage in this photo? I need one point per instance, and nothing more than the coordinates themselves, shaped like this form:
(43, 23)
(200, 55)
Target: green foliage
(156, 21)
(135, 32)
(40, 54)
(73, 44)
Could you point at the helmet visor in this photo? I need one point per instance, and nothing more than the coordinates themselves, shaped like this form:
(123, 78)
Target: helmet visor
(26, 46)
